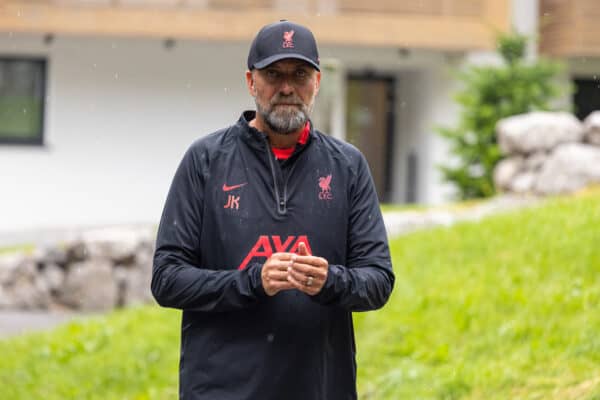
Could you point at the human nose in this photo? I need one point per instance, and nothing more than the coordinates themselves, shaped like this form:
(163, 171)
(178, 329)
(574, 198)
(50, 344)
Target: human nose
(286, 86)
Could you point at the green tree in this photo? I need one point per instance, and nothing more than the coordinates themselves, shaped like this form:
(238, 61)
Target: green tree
(489, 94)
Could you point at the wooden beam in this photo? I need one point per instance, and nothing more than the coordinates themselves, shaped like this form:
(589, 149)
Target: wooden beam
(413, 31)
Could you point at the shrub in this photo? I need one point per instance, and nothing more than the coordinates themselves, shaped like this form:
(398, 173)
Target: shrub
(491, 93)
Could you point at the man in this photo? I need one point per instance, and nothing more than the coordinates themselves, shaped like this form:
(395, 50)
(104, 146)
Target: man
(271, 236)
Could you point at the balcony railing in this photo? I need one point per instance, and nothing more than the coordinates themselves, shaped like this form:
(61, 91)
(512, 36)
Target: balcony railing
(570, 28)
(440, 24)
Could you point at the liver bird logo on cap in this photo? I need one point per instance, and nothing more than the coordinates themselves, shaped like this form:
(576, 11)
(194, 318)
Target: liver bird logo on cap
(288, 40)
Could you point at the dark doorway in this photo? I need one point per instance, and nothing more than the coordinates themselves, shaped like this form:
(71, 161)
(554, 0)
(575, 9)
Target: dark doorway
(587, 96)
(370, 105)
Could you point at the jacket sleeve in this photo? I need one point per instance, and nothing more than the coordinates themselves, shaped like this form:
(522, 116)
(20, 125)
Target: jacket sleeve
(178, 279)
(366, 281)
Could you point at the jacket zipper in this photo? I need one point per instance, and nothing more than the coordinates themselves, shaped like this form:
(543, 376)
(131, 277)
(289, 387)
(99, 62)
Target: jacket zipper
(281, 201)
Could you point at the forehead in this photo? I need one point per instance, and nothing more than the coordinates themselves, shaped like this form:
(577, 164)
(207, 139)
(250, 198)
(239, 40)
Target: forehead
(289, 63)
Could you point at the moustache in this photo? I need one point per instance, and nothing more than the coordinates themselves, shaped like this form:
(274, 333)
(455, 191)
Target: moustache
(286, 102)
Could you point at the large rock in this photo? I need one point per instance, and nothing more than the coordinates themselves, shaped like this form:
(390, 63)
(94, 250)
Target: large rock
(569, 168)
(592, 128)
(21, 287)
(115, 244)
(90, 286)
(506, 170)
(537, 131)
(523, 183)
(10, 267)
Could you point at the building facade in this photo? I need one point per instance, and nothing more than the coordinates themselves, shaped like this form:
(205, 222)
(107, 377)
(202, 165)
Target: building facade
(100, 98)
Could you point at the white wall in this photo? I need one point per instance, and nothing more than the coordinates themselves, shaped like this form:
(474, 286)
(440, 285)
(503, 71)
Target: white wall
(120, 114)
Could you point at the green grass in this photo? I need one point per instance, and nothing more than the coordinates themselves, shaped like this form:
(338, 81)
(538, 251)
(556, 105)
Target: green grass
(507, 308)
(24, 248)
(503, 309)
(129, 354)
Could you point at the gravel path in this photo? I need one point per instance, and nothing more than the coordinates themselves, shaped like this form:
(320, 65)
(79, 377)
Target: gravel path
(18, 322)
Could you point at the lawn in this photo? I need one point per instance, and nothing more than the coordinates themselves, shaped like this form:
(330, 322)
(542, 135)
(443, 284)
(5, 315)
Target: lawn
(507, 308)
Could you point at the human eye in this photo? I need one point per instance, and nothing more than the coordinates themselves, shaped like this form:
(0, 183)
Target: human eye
(272, 74)
(301, 75)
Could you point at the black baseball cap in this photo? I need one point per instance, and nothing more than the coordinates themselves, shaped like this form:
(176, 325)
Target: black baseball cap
(283, 39)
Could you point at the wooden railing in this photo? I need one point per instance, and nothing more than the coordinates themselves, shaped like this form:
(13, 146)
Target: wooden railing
(460, 8)
(570, 28)
(439, 24)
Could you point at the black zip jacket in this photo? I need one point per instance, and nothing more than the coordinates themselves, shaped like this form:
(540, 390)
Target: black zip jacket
(230, 206)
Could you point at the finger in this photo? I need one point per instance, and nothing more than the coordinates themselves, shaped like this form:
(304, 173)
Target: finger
(297, 283)
(306, 270)
(276, 275)
(278, 265)
(302, 250)
(282, 256)
(317, 261)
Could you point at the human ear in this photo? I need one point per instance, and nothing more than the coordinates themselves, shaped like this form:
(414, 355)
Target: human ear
(250, 83)
(317, 82)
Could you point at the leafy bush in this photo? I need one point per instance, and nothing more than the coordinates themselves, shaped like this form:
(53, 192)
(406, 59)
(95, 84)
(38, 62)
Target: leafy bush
(491, 93)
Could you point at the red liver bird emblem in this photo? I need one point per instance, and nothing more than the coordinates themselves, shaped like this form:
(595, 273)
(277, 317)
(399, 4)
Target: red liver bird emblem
(288, 40)
(325, 185)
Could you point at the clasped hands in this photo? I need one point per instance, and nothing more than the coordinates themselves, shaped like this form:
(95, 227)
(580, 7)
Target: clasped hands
(302, 271)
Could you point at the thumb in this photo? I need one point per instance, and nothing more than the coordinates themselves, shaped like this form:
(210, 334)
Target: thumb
(302, 249)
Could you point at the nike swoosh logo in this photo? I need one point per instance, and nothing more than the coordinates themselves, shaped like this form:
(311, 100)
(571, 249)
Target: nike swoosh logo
(228, 188)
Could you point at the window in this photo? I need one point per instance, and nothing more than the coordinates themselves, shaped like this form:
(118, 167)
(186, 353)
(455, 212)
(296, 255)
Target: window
(586, 97)
(22, 87)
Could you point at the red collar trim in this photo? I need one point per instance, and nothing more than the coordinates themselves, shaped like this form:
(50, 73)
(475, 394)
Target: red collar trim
(284, 154)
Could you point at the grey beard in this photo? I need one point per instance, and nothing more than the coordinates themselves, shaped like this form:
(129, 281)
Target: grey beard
(283, 122)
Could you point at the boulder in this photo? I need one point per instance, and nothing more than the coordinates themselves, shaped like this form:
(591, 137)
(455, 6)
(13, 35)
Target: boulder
(506, 170)
(537, 131)
(10, 265)
(115, 244)
(570, 167)
(535, 161)
(523, 183)
(21, 287)
(90, 286)
(591, 127)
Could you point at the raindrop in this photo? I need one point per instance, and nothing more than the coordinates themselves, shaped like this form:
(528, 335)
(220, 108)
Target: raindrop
(116, 75)
(113, 45)
(24, 111)
(95, 65)
(595, 77)
(19, 13)
(225, 89)
(270, 338)
(188, 85)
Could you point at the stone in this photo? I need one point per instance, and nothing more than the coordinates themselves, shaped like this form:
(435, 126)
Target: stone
(506, 170)
(537, 131)
(523, 183)
(116, 244)
(54, 276)
(9, 266)
(591, 125)
(51, 255)
(23, 290)
(76, 251)
(90, 286)
(570, 167)
(535, 161)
